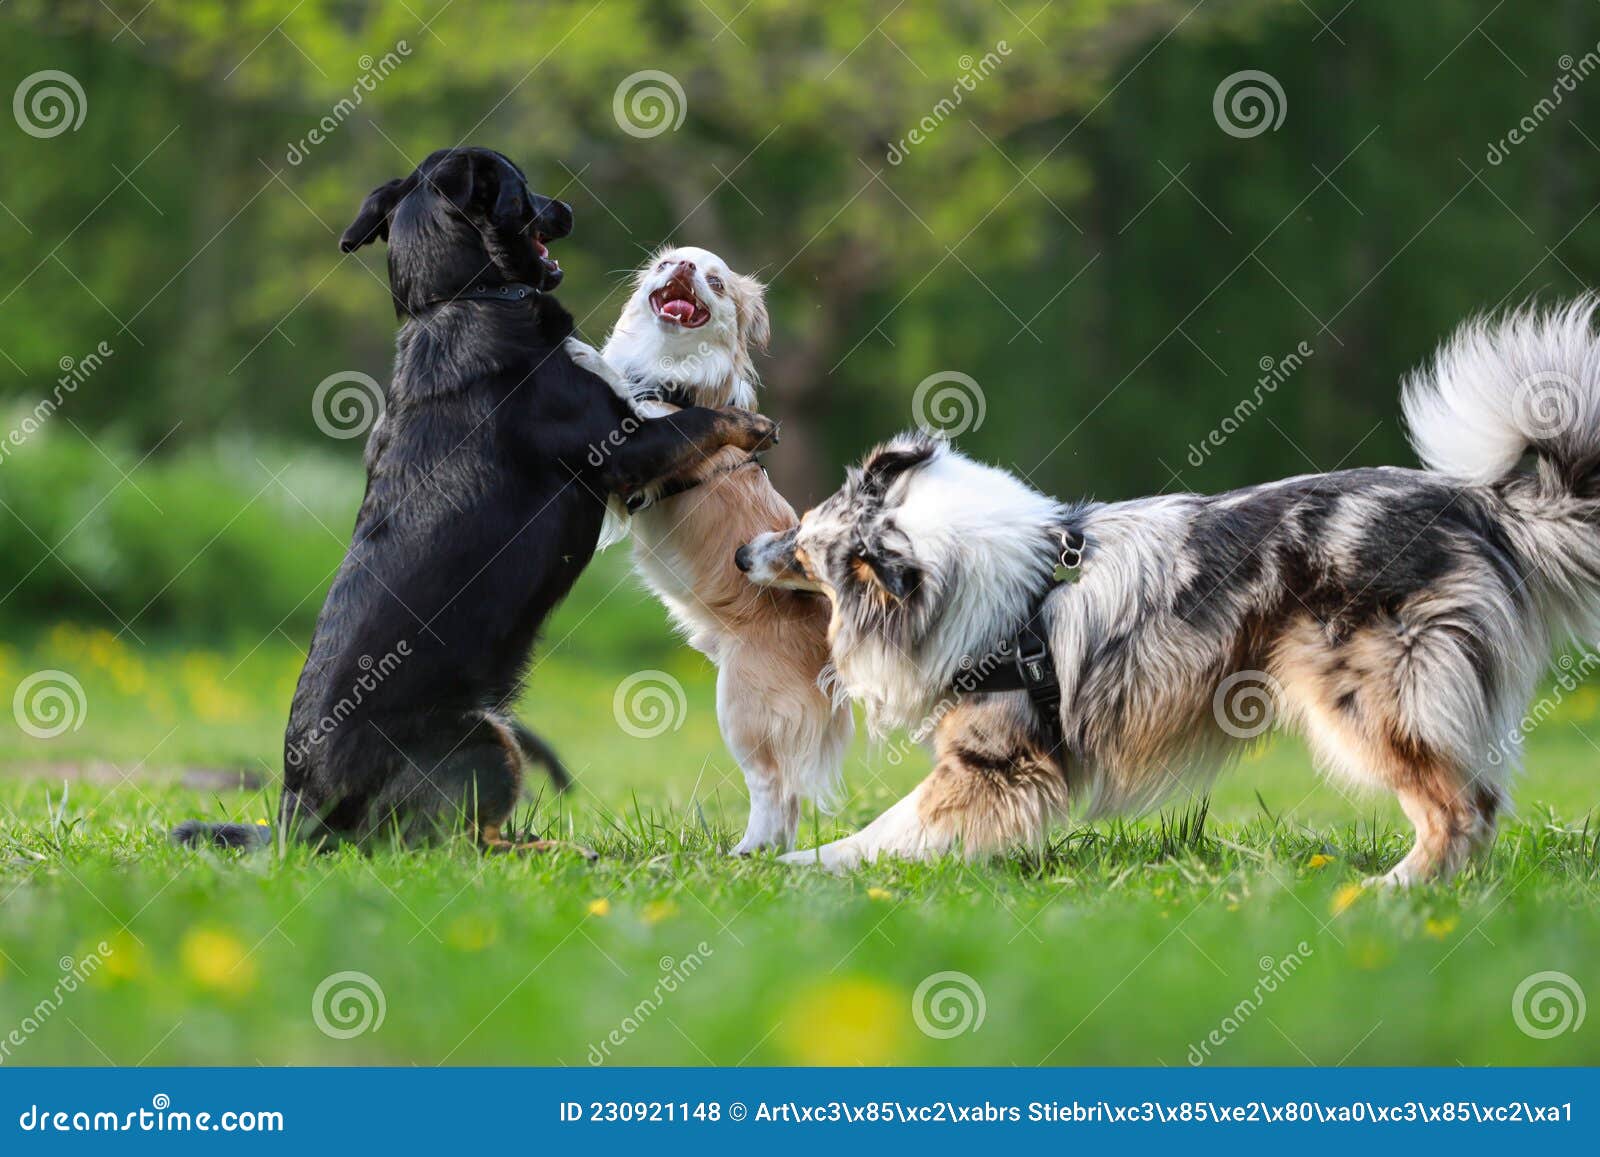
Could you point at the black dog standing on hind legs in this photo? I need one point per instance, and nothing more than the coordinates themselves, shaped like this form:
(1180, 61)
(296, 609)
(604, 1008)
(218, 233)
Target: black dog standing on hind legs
(483, 505)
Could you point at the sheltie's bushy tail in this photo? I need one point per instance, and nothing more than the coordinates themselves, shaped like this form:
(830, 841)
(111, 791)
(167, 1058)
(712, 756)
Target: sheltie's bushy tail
(1507, 388)
(1503, 387)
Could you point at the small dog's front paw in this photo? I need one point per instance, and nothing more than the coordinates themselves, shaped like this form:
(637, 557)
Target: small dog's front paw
(839, 856)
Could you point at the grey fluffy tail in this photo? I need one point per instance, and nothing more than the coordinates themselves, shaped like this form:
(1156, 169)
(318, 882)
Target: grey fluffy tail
(1502, 387)
(199, 834)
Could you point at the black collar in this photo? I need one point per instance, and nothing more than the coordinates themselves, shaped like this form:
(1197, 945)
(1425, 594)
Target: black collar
(1024, 662)
(511, 292)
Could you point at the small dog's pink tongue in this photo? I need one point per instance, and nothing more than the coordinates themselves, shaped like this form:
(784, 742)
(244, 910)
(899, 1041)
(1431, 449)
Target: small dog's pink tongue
(678, 310)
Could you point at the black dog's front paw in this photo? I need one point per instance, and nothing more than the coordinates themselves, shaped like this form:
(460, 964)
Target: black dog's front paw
(748, 431)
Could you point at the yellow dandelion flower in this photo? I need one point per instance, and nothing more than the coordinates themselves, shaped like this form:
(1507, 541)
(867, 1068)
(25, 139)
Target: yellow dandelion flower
(1369, 955)
(218, 960)
(879, 894)
(124, 960)
(600, 907)
(846, 1022)
(471, 934)
(659, 910)
(1346, 896)
(1319, 861)
(1440, 927)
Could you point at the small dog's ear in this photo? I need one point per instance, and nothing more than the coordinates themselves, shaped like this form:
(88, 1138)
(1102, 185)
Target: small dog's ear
(372, 222)
(750, 300)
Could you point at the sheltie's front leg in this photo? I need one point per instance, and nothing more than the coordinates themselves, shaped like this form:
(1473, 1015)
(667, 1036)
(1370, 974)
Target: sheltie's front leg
(991, 788)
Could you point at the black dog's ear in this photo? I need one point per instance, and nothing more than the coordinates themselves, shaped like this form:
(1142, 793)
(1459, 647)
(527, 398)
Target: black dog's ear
(372, 223)
(486, 188)
(511, 205)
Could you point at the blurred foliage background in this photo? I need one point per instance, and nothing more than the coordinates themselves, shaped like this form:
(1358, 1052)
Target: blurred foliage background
(1076, 232)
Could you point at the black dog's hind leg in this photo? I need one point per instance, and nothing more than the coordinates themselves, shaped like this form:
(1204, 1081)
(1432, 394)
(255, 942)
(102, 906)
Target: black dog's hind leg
(536, 750)
(199, 834)
(655, 449)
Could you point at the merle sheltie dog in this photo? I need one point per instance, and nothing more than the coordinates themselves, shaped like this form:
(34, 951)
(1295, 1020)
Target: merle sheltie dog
(1399, 619)
(484, 503)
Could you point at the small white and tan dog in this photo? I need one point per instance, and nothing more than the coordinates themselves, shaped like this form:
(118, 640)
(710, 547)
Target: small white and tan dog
(685, 338)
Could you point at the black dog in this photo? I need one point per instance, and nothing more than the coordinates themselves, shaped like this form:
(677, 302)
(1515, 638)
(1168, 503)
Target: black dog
(484, 503)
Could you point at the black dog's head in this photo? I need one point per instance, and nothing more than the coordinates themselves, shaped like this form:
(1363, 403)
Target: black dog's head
(465, 217)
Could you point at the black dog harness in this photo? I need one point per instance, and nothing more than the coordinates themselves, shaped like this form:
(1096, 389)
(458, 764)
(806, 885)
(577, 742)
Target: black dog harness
(1031, 668)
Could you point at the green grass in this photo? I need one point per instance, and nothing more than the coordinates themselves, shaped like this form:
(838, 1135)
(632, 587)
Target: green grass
(1127, 943)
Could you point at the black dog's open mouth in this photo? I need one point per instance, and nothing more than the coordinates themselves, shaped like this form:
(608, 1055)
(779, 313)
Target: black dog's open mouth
(675, 302)
(551, 265)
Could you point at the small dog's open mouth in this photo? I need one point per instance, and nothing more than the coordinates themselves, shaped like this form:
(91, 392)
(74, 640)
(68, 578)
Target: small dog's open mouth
(675, 302)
